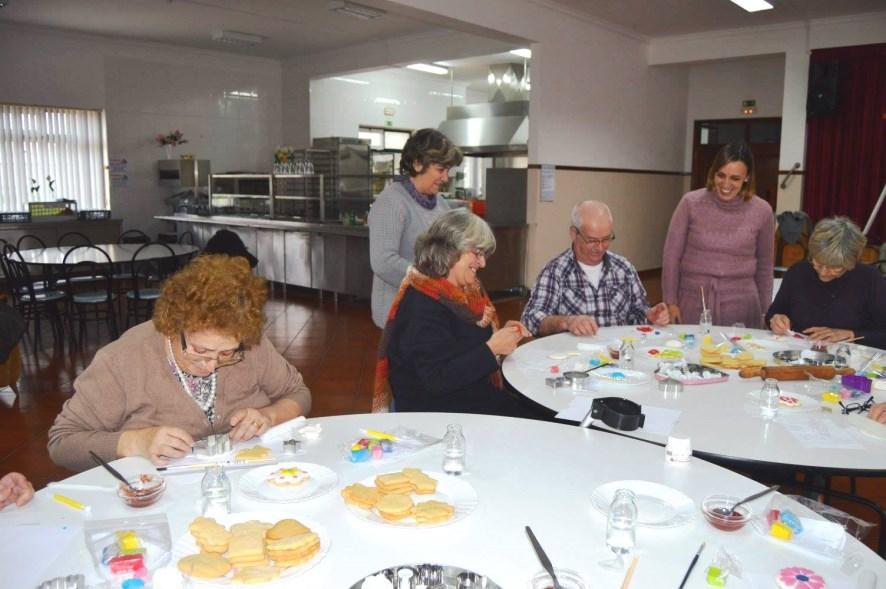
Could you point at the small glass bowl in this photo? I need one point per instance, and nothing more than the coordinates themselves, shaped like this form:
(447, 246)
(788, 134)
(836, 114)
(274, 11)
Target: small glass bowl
(146, 490)
(728, 523)
(568, 580)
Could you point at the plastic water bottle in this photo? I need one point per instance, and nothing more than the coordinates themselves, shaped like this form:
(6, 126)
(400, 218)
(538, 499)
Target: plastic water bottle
(769, 399)
(216, 490)
(454, 448)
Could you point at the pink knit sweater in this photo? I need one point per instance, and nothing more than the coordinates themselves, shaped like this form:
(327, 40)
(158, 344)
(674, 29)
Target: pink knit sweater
(726, 247)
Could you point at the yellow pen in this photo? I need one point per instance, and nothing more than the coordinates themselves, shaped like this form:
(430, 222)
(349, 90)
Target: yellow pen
(72, 503)
(381, 435)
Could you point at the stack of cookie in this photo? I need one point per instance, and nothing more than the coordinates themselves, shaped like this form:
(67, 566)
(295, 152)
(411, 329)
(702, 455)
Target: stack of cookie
(391, 497)
(256, 551)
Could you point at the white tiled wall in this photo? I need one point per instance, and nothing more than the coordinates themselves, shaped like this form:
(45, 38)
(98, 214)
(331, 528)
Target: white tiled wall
(149, 89)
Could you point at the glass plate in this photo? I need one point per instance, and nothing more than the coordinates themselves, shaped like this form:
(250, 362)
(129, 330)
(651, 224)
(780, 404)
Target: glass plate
(253, 484)
(662, 353)
(658, 506)
(623, 376)
(431, 575)
(805, 403)
(186, 546)
(457, 492)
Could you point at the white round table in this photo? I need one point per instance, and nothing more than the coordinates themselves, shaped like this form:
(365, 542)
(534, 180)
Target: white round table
(524, 472)
(722, 419)
(119, 253)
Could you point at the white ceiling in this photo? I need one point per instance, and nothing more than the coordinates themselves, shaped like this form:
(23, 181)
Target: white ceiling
(660, 18)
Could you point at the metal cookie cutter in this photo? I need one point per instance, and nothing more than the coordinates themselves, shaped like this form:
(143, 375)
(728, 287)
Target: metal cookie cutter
(218, 444)
(290, 447)
(670, 386)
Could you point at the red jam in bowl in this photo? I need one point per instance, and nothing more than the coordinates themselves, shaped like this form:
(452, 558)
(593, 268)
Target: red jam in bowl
(144, 491)
(713, 509)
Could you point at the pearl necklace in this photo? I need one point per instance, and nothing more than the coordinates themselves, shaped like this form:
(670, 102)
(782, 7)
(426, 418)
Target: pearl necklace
(207, 405)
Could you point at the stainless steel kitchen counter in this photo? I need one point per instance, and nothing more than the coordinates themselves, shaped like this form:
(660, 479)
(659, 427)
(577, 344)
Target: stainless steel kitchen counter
(277, 224)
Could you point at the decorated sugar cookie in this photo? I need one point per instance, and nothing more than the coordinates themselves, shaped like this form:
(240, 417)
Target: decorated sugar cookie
(799, 578)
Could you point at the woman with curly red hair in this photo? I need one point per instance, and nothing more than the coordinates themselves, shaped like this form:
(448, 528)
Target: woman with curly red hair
(201, 366)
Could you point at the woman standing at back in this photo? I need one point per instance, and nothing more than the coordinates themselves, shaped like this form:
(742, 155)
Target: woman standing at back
(404, 210)
(721, 240)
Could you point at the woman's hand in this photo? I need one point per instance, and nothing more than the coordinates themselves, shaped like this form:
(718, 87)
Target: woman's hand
(248, 423)
(488, 314)
(828, 334)
(659, 315)
(157, 444)
(674, 313)
(15, 488)
(878, 412)
(780, 324)
(505, 340)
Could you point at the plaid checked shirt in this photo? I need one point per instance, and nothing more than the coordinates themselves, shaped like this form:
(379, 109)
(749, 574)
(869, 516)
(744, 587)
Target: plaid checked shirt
(563, 289)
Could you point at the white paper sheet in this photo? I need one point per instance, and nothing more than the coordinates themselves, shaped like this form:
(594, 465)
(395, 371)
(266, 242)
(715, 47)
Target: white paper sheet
(659, 420)
(576, 410)
(818, 432)
(21, 543)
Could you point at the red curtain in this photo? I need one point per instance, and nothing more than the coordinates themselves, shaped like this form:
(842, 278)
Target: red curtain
(846, 151)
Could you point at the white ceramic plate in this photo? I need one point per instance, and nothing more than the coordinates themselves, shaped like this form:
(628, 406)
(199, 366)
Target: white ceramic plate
(658, 506)
(253, 484)
(185, 546)
(622, 376)
(867, 425)
(662, 353)
(457, 492)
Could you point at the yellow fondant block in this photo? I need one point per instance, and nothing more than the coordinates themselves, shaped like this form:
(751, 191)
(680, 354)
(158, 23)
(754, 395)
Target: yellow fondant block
(781, 531)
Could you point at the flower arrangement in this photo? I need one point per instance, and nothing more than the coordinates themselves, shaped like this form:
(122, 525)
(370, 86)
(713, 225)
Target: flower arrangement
(172, 138)
(284, 154)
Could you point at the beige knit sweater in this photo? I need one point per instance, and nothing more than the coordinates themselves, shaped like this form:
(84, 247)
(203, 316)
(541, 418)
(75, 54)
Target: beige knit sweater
(131, 385)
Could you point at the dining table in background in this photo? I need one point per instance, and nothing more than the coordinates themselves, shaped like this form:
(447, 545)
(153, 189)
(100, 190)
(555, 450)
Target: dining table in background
(722, 420)
(119, 253)
(524, 472)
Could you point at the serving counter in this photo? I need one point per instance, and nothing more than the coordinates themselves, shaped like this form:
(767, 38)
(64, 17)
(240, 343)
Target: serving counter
(335, 257)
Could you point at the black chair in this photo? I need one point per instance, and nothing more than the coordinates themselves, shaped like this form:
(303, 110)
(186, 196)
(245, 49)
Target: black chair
(148, 276)
(92, 302)
(186, 238)
(73, 238)
(29, 241)
(31, 302)
(134, 236)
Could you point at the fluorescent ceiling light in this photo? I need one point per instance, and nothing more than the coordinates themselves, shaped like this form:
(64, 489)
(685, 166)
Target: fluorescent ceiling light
(446, 94)
(242, 94)
(753, 5)
(381, 100)
(354, 9)
(524, 53)
(237, 38)
(352, 81)
(428, 68)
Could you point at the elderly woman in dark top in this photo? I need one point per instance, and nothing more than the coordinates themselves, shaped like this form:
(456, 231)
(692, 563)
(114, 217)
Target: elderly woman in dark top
(405, 209)
(441, 345)
(831, 297)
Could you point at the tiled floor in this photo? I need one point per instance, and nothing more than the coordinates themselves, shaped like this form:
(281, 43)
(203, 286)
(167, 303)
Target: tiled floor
(332, 345)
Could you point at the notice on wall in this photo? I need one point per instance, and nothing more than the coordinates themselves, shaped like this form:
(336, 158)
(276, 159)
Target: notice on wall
(548, 183)
(118, 170)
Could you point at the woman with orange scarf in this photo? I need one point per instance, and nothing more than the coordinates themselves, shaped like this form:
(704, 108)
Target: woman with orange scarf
(441, 346)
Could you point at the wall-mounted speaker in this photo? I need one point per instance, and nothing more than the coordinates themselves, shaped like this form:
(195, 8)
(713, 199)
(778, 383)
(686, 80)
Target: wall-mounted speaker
(824, 83)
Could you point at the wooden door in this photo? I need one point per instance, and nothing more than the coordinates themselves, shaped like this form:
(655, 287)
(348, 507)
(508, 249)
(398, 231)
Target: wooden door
(762, 135)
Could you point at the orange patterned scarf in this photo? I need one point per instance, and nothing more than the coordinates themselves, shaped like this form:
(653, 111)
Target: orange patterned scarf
(469, 305)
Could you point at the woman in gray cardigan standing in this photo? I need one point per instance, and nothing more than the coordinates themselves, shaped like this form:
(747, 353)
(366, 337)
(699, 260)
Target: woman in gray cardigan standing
(404, 210)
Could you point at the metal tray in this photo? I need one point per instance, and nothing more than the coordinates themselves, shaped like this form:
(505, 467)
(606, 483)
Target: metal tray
(808, 357)
(432, 576)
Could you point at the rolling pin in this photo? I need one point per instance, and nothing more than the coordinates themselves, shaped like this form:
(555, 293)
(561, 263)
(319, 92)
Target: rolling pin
(793, 372)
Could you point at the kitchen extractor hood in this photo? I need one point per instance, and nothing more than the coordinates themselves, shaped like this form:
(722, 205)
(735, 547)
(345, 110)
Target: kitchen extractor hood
(500, 125)
(488, 127)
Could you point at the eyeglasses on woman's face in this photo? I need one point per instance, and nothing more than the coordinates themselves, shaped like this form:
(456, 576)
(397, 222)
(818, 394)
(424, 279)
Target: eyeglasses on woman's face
(826, 272)
(202, 356)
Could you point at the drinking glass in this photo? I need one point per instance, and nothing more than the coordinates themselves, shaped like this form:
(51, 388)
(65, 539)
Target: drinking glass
(621, 528)
(769, 399)
(705, 321)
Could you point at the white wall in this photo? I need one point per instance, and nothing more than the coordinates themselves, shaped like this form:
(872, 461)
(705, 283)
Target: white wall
(148, 89)
(716, 91)
(338, 107)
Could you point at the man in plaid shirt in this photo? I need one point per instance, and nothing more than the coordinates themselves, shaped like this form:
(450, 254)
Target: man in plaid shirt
(587, 287)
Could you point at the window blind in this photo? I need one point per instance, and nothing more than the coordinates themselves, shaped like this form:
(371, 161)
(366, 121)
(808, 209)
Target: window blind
(64, 145)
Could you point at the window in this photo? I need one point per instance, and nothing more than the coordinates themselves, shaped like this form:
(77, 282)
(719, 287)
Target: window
(49, 153)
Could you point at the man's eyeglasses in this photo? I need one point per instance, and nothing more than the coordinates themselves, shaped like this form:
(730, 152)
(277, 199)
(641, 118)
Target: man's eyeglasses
(857, 407)
(593, 240)
(222, 358)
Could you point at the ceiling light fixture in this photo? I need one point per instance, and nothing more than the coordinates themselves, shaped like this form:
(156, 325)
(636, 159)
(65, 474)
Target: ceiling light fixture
(524, 53)
(382, 100)
(354, 9)
(351, 81)
(428, 68)
(237, 38)
(753, 5)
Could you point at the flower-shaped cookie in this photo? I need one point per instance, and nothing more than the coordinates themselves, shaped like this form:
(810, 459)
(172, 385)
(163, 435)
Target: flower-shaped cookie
(799, 578)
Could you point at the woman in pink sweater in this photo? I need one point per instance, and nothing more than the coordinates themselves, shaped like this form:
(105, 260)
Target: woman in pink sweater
(721, 240)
